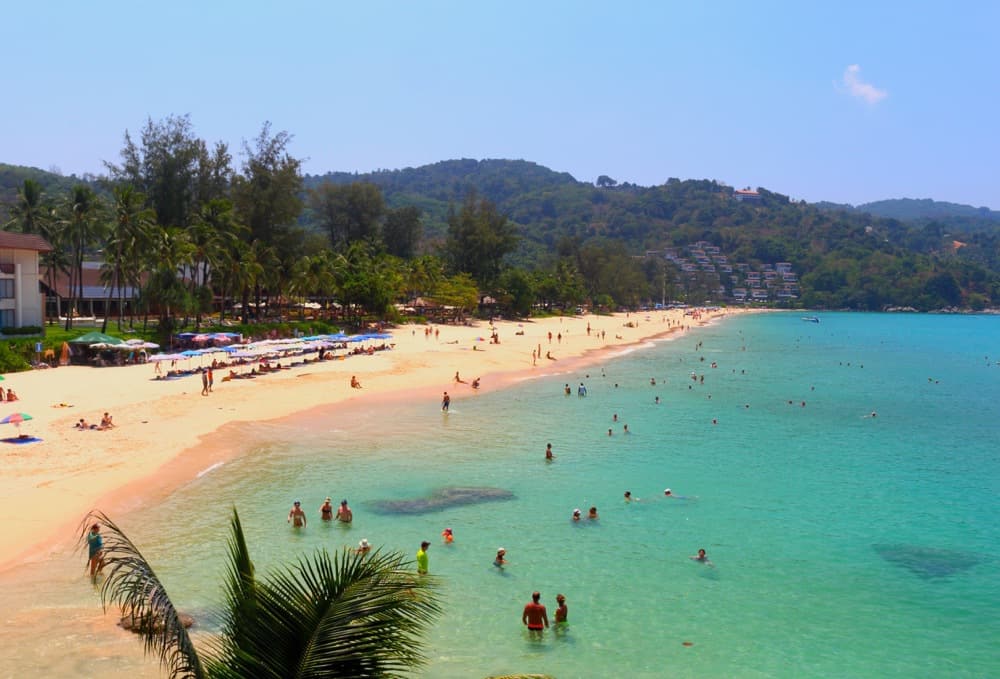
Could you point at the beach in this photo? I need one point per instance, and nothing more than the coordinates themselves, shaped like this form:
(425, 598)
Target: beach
(48, 486)
(777, 470)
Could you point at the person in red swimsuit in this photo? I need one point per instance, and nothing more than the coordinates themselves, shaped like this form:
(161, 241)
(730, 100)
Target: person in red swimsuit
(535, 616)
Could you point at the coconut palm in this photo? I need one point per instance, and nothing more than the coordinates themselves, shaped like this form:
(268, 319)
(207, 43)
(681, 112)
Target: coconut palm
(345, 615)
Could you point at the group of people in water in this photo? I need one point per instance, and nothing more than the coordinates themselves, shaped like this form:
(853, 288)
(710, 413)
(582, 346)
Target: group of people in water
(297, 515)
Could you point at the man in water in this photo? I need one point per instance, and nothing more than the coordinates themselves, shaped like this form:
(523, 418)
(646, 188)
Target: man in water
(702, 557)
(500, 561)
(445, 402)
(535, 615)
(562, 611)
(344, 513)
(95, 549)
(548, 452)
(296, 516)
(423, 563)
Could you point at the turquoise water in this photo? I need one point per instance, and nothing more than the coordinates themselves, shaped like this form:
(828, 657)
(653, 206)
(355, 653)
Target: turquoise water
(843, 545)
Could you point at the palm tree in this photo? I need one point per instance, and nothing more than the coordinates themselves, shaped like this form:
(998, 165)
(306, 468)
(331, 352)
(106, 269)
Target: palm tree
(129, 228)
(80, 230)
(345, 615)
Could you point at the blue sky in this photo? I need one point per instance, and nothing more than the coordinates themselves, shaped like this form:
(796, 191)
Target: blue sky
(842, 101)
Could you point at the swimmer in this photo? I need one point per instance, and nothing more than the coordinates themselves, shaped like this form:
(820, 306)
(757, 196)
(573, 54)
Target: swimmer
(500, 561)
(548, 452)
(534, 615)
(567, 390)
(668, 493)
(592, 514)
(609, 432)
(344, 513)
(625, 430)
(702, 558)
(363, 547)
(326, 511)
(652, 381)
(448, 535)
(614, 418)
(562, 611)
(657, 400)
(296, 516)
(576, 514)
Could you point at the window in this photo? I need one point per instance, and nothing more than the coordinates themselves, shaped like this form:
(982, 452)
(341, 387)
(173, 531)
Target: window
(7, 318)
(6, 288)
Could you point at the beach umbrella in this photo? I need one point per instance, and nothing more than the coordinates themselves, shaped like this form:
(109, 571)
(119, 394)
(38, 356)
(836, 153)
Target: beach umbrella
(16, 419)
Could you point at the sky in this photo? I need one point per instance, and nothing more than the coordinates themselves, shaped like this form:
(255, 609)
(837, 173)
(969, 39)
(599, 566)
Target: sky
(843, 101)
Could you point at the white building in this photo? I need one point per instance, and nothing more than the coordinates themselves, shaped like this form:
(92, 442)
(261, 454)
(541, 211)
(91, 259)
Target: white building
(20, 295)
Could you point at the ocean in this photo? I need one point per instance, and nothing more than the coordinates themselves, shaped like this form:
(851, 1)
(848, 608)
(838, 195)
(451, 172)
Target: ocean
(842, 477)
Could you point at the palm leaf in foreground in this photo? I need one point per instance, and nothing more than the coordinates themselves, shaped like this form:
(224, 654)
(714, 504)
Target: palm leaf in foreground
(346, 615)
(132, 585)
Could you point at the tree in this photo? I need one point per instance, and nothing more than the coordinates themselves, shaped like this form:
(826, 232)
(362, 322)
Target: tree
(606, 182)
(348, 212)
(129, 230)
(479, 237)
(266, 192)
(82, 222)
(345, 615)
(29, 214)
(402, 231)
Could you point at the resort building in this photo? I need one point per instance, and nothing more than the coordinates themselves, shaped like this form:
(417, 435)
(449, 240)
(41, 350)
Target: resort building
(20, 297)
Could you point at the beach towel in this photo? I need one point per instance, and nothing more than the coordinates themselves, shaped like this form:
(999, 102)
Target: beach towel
(17, 440)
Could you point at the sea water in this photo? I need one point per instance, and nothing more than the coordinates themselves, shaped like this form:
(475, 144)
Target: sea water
(842, 477)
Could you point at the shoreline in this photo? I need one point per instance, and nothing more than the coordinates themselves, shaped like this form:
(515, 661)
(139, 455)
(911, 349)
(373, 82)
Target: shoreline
(146, 459)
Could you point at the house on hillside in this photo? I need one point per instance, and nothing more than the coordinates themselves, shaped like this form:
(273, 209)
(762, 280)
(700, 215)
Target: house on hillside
(746, 196)
(21, 301)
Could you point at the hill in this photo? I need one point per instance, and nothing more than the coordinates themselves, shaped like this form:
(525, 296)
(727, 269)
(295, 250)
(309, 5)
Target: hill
(709, 237)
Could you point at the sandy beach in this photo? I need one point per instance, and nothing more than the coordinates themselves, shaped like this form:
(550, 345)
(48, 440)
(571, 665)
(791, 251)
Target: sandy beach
(49, 485)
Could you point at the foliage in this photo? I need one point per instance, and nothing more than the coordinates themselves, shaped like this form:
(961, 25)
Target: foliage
(345, 615)
(12, 357)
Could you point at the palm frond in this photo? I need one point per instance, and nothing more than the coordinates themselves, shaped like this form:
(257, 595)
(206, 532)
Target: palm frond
(132, 585)
(349, 615)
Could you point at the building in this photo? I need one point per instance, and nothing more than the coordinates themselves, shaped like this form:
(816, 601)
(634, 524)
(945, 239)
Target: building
(21, 302)
(91, 296)
(746, 196)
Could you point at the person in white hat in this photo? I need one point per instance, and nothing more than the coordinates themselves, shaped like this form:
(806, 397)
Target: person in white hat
(500, 561)
(363, 547)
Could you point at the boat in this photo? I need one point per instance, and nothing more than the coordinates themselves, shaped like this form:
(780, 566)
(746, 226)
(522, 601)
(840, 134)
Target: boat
(811, 319)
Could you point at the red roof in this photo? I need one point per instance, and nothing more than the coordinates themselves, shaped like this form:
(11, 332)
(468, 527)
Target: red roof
(747, 192)
(23, 241)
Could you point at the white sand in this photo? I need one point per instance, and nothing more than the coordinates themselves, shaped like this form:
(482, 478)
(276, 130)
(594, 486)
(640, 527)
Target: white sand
(47, 487)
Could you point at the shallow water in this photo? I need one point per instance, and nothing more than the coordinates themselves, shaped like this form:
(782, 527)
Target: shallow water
(842, 544)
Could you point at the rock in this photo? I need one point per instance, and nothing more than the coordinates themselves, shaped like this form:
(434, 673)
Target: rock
(132, 624)
(442, 499)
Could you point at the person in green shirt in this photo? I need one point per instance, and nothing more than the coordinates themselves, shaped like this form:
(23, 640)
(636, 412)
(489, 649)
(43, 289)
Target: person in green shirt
(422, 561)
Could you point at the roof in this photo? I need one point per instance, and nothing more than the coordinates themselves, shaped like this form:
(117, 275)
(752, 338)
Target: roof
(93, 288)
(747, 192)
(10, 240)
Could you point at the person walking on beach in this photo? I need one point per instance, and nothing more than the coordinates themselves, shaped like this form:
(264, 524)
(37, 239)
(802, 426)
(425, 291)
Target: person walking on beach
(423, 563)
(95, 550)
(445, 402)
(344, 513)
(204, 383)
(535, 615)
(211, 379)
(296, 516)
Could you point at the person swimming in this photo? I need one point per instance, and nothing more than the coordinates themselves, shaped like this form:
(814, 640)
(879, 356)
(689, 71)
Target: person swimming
(702, 557)
(500, 561)
(448, 535)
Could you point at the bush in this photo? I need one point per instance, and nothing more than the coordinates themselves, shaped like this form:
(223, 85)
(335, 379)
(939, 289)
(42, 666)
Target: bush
(10, 360)
(24, 330)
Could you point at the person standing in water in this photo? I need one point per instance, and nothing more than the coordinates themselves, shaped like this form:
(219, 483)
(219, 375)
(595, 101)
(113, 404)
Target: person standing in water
(423, 563)
(535, 615)
(548, 452)
(326, 511)
(344, 513)
(445, 402)
(562, 611)
(296, 516)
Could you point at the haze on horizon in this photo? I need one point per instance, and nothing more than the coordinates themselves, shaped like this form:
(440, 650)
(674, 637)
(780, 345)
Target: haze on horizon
(845, 102)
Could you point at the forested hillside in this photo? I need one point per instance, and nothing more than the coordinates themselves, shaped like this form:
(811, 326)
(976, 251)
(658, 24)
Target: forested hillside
(618, 242)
